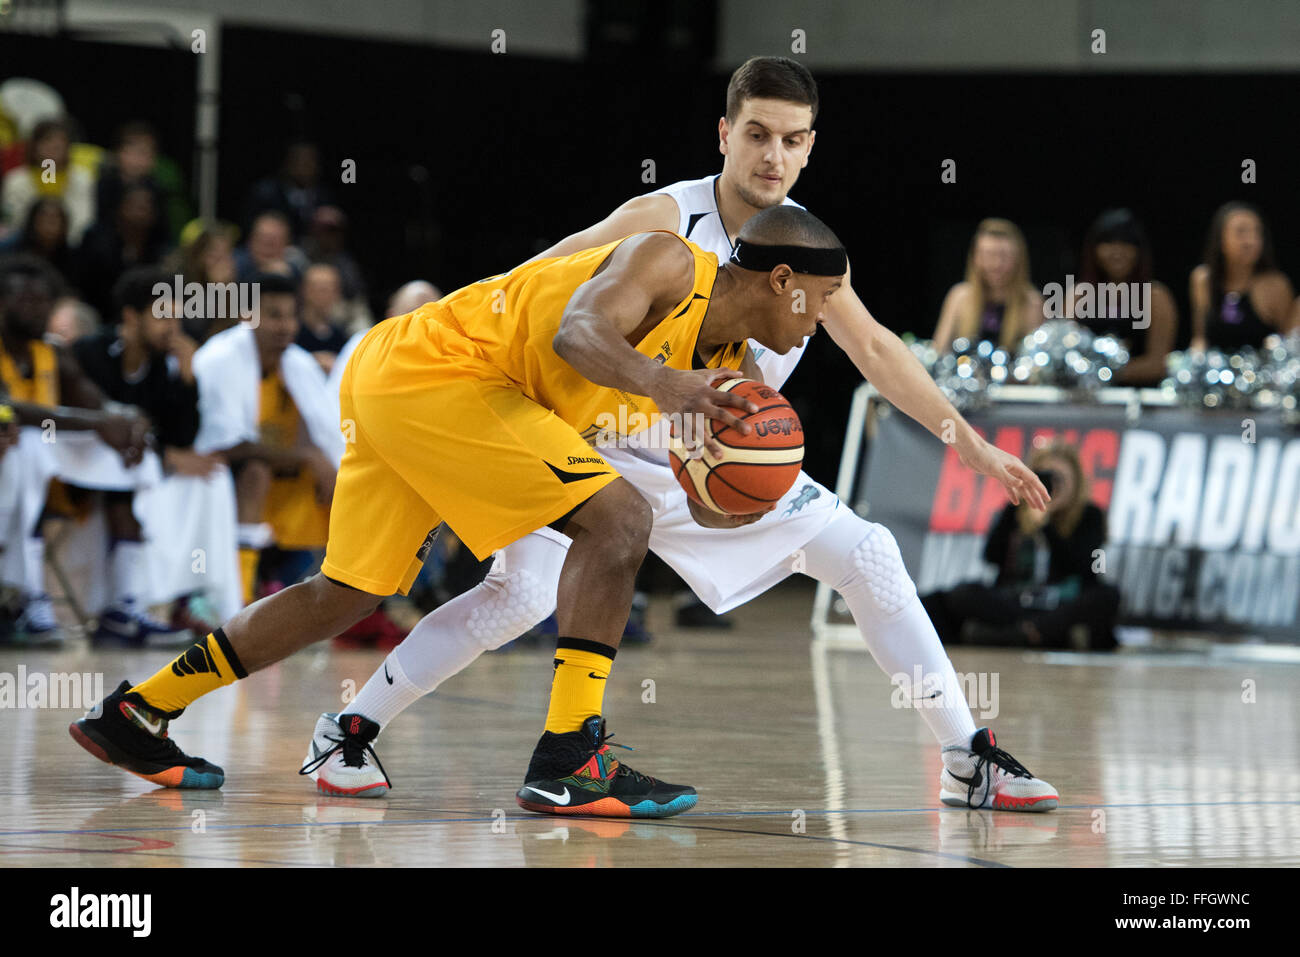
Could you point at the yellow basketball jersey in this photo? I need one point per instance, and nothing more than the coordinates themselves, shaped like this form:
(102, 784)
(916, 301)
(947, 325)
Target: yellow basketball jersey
(512, 320)
(43, 385)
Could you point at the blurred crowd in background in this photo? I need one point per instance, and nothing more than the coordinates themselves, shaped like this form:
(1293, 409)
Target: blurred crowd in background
(89, 232)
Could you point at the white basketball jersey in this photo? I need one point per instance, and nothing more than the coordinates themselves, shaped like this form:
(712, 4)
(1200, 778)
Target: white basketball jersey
(701, 223)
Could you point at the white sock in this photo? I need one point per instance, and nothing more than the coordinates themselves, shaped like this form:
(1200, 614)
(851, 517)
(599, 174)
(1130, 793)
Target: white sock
(860, 560)
(34, 566)
(126, 563)
(388, 692)
(517, 594)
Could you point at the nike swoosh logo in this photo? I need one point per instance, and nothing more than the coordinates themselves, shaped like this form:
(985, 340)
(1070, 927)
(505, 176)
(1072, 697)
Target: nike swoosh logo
(592, 674)
(567, 477)
(154, 727)
(561, 799)
(386, 674)
(974, 781)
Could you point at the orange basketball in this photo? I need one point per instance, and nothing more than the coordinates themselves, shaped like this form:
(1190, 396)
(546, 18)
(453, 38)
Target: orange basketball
(756, 469)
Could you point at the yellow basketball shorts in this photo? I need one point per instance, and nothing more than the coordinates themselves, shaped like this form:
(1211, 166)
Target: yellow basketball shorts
(436, 434)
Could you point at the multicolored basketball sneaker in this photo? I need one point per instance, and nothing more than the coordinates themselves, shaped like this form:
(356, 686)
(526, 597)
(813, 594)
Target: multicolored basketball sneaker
(985, 776)
(126, 732)
(574, 773)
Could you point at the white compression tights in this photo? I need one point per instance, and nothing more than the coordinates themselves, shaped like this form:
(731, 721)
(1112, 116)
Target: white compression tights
(857, 558)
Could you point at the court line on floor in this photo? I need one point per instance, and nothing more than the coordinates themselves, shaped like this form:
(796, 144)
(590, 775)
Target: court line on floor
(831, 840)
(240, 861)
(815, 812)
(659, 824)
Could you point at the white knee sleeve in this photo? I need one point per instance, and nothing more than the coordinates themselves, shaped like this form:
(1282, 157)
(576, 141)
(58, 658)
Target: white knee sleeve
(509, 604)
(877, 560)
(854, 555)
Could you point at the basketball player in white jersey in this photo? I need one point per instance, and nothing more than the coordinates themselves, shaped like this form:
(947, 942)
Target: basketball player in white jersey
(765, 137)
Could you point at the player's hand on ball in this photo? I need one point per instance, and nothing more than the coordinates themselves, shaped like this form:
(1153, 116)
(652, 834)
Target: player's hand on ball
(682, 393)
(711, 519)
(1016, 477)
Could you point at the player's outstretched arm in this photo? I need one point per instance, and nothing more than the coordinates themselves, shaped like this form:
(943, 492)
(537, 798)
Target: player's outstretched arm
(637, 215)
(889, 365)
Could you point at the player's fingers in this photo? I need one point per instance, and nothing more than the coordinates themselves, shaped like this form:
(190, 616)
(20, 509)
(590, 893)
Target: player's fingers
(1012, 485)
(1034, 489)
(741, 426)
(736, 401)
(714, 376)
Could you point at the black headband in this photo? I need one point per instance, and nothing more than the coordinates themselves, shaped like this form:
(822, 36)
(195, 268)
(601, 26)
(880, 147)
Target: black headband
(806, 260)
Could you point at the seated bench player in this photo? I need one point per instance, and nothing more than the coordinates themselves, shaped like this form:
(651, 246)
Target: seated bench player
(264, 407)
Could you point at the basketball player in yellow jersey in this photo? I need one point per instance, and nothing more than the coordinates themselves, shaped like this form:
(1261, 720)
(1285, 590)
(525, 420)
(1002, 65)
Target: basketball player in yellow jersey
(469, 410)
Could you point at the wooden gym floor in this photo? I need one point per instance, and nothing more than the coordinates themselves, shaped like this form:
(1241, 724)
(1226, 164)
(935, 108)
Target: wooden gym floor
(799, 758)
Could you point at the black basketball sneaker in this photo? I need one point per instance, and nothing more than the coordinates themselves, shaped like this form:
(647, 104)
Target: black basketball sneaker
(131, 735)
(574, 773)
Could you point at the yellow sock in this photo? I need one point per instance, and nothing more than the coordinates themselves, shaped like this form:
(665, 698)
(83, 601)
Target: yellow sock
(202, 667)
(578, 686)
(248, 571)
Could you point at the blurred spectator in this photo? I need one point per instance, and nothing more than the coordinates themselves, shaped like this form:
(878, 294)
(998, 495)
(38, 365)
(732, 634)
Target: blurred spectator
(144, 363)
(295, 192)
(135, 160)
(408, 298)
(1239, 297)
(327, 244)
(996, 301)
(1116, 251)
(44, 233)
(47, 388)
(265, 409)
(49, 171)
(1047, 593)
(268, 250)
(133, 236)
(206, 255)
(320, 331)
(411, 297)
(71, 320)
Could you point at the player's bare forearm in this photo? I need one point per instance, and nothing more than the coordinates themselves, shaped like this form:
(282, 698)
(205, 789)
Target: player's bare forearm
(897, 375)
(645, 276)
(64, 417)
(886, 362)
(279, 459)
(593, 345)
(903, 381)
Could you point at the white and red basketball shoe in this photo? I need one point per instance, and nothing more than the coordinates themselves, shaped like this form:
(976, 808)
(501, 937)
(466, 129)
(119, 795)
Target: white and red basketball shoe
(985, 776)
(341, 759)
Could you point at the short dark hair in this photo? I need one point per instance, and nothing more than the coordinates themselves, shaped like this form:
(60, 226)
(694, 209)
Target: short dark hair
(43, 129)
(788, 226)
(134, 289)
(274, 283)
(772, 78)
(134, 130)
(273, 214)
(27, 266)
